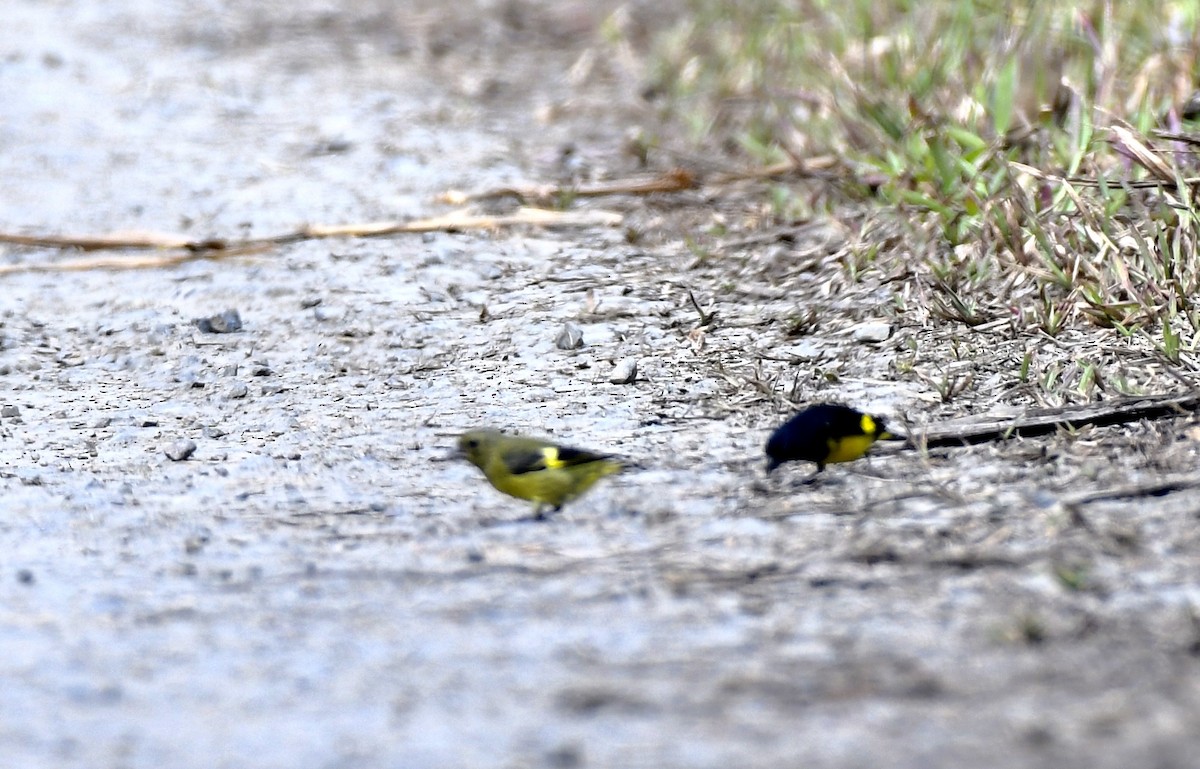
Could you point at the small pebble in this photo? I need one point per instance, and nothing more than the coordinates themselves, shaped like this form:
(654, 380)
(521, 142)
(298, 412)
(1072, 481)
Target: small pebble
(238, 390)
(195, 543)
(569, 338)
(801, 352)
(180, 449)
(9, 411)
(224, 323)
(1191, 107)
(873, 331)
(625, 372)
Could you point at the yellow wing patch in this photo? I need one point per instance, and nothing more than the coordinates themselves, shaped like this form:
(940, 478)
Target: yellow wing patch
(550, 457)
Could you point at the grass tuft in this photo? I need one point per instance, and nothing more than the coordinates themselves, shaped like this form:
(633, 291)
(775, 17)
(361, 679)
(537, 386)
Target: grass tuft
(1034, 160)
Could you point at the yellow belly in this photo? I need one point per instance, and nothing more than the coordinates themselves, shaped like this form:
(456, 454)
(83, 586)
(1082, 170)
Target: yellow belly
(849, 448)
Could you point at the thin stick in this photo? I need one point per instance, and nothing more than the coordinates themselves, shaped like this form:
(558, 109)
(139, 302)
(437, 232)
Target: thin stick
(985, 429)
(216, 248)
(675, 180)
(1155, 488)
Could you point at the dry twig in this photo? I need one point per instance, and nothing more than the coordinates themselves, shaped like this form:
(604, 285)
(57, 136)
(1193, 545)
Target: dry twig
(988, 428)
(187, 249)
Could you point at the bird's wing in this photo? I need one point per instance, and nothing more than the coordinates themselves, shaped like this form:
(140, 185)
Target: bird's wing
(547, 457)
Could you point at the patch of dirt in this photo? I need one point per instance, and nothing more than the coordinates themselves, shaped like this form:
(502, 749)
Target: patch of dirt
(318, 585)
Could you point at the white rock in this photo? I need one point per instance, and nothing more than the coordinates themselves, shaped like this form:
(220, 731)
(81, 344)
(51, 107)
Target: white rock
(625, 372)
(569, 338)
(872, 331)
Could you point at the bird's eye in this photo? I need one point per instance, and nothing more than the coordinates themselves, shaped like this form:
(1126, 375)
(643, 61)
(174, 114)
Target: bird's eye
(473, 444)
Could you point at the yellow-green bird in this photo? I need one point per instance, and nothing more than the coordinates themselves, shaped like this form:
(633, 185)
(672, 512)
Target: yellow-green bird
(825, 433)
(540, 471)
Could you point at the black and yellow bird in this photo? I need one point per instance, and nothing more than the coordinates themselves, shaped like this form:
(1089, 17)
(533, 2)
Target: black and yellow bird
(825, 433)
(540, 471)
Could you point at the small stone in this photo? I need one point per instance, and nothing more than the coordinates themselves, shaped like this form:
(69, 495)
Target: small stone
(801, 352)
(873, 331)
(625, 372)
(224, 323)
(569, 338)
(9, 411)
(238, 390)
(565, 757)
(195, 543)
(1191, 107)
(180, 450)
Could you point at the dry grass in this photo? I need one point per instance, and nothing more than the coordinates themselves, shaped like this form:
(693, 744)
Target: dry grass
(1021, 180)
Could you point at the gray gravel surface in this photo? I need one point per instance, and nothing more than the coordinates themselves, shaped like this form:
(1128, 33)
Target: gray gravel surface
(249, 549)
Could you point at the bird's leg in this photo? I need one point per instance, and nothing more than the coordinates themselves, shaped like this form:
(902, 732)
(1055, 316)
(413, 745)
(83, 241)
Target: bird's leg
(542, 510)
(815, 477)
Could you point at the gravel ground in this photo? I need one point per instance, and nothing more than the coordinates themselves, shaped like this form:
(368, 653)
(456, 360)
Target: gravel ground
(250, 548)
